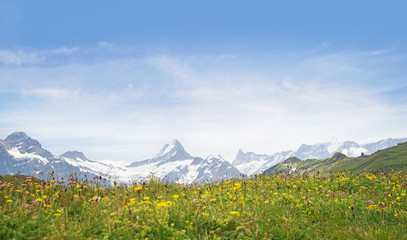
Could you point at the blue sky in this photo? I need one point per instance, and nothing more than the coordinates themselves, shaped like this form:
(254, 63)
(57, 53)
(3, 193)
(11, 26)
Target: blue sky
(119, 80)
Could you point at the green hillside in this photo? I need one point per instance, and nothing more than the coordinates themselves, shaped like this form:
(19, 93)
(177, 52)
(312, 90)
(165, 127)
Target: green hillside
(393, 158)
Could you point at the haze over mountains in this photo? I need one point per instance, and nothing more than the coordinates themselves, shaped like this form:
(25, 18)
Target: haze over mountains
(21, 154)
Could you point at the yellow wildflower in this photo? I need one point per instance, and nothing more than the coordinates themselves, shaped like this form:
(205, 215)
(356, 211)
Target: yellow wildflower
(162, 204)
(235, 213)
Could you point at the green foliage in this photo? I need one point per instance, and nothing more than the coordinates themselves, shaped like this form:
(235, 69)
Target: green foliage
(341, 206)
(18, 179)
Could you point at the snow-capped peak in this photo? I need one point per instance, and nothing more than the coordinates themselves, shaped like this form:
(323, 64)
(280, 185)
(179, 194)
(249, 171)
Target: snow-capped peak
(332, 147)
(212, 158)
(174, 146)
(17, 139)
(75, 155)
(24, 144)
(19, 135)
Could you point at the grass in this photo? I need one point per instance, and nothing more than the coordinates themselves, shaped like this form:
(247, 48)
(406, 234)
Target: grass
(340, 206)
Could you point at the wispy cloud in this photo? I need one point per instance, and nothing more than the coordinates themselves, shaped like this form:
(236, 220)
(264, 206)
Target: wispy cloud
(51, 93)
(213, 103)
(20, 57)
(65, 50)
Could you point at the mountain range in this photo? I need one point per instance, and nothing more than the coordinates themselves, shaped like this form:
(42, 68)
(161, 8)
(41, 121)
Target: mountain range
(21, 154)
(252, 163)
(389, 159)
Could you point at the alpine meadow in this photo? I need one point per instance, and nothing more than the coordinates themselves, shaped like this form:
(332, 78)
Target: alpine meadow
(206, 120)
(342, 205)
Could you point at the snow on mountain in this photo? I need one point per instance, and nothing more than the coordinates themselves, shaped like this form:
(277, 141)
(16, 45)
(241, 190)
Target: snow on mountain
(349, 148)
(352, 149)
(251, 163)
(171, 150)
(116, 163)
(24, 146)
(169, 153)
(21, 154)
(79, 160)
(27, 155)
(15, 152)
(75, 155)
(319, 150)
(174, 164)
(382, 144)
(214, 167)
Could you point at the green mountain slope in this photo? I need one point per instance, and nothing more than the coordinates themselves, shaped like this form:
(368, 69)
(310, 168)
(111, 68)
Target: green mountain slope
(393, 158)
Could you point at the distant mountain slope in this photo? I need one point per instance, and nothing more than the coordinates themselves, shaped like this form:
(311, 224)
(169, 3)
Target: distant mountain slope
(6, 162)
(391, 158)
(251, 163)
(20, 154)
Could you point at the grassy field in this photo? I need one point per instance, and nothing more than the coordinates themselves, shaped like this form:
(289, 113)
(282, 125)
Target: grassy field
(341, 206)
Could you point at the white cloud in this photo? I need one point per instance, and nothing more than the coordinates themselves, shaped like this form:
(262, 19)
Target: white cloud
(32, 57)
(20, 57)
(212, 104)
(65, 50)
(51, 93)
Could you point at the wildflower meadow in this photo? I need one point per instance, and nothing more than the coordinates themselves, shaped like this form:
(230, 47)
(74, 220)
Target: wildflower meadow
(340, 206)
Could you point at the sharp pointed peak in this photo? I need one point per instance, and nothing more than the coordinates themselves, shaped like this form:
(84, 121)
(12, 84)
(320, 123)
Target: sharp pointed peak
(21, 137)
(175, 142)
(174, 145)
(18, 134)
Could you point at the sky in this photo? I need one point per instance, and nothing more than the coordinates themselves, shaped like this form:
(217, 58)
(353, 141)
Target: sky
(118, 80)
